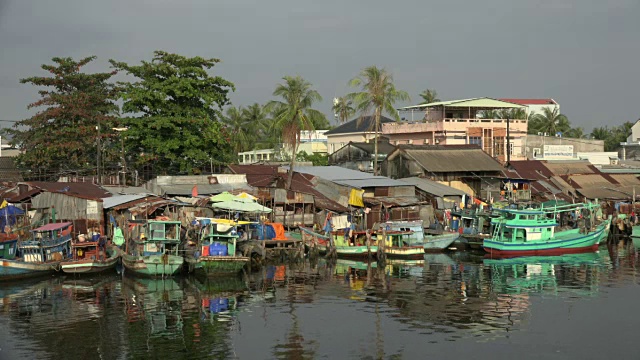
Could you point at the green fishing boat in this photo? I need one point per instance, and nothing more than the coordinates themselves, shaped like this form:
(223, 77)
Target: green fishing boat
(154, 252)
(532, 232)
(217, 248)
(361, 246)
(403, 245)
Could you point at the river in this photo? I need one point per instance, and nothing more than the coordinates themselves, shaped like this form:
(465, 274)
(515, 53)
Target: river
(449, 306)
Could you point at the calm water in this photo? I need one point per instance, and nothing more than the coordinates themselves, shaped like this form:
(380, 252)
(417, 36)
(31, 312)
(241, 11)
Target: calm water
(452, 306)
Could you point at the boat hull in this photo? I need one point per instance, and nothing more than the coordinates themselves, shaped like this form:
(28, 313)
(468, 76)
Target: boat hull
(16, 269)
(89, 266)
(220, 265)
(439, 242)
(153, 265)
(405, 252)
(557, 246)
(356, 251)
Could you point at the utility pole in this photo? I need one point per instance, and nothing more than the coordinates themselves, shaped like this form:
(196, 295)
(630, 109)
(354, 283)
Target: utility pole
(508, 143)
(99, 152)
(124, 159)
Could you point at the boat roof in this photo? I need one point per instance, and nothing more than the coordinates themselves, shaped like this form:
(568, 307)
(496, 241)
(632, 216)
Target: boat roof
(523, 212)
(53, 226)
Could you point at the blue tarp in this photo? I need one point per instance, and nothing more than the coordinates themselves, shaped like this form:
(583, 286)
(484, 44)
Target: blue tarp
(265, 232)
(8, 215)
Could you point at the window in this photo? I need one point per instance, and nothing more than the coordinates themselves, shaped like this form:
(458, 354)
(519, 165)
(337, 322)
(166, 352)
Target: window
(498, 146)
(510, 148)
(475, 140)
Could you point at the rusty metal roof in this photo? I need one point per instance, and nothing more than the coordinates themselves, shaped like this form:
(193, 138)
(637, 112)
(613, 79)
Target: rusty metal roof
(438, 160)
(254, 169)
(393, 201)
(76, 189)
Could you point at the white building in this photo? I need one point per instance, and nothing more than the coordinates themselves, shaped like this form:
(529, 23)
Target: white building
(535, 106)
(311, 142)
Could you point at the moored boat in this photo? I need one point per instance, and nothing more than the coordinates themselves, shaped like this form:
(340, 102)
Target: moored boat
(90, 257)
(532, 233)
(217, 255)
(41, 255)
(402, 245)
(314, 241)
(362, 245)
(155, 251)
(439, 242)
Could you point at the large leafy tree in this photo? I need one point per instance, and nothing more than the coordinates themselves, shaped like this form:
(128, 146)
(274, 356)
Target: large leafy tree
(429, 96)
(293, 113)
(62, 136)
(549, 121)
(175, 105)
(344, 109)
(377, 96)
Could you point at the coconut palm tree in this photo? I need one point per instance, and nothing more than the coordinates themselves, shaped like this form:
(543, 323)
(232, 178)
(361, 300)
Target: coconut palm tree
(343, 108)
(378, 95)
(511, 114)
(261, 125)
(293, 113)
(550, 121)
(236, 123)
(429, 96)
(575, 133)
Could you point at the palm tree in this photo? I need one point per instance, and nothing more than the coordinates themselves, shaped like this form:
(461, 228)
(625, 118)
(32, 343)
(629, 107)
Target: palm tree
(575, 133)
(489, 114)
(429, 96)
(343, 108)
(378, 95)
(237, 124)
(519, 113)
(261, 125)
(600, 133)
(551, 121)
(294, 113)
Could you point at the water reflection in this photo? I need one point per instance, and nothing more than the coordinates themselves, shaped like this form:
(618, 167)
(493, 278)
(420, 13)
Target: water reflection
(305, 310)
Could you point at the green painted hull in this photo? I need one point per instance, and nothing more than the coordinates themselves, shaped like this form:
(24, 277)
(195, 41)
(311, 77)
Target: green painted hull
(635, 232)
(220, 265)
(356, 251)
(153, 265)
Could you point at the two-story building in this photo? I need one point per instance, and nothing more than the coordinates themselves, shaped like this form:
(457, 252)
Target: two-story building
(460, 122)
(311, 142)
(358, 130)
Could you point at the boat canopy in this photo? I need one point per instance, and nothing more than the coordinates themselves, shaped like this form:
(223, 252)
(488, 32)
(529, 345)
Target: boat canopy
(52, 227)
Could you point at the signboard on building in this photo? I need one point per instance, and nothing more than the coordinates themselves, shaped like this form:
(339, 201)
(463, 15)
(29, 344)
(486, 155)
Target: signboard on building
(92, 207)
(551, 152)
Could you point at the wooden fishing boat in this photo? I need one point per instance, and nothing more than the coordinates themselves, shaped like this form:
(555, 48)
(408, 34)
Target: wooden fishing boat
(313, 240)
(217, 255)
(532, 233)
(439, 242)
(363, 246)
(41, 255)
(403, 245)
(90, 257)
(155, 251)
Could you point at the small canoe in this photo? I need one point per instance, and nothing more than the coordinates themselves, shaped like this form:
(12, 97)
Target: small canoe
(440, 242)
(313, 240)
(90, 265)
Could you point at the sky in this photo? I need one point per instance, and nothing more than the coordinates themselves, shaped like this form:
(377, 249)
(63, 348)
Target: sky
(582, 53)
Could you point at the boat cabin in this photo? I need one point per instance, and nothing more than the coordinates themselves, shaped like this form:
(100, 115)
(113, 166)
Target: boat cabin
(523, 226)
(50, 242)
(401, 239)
(219, 236)
(415, 228)
(8, 246)
(89, 249)
(156, 237)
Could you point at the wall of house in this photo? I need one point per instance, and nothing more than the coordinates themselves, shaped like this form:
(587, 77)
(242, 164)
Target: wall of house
(635, 133)
(539, 108)
(336, 141)
(536, 143)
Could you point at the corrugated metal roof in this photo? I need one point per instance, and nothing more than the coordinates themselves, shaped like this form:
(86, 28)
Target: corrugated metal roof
(482, 102)
(254, 169)
(376, 182)
(626, 179)
(531, 101)
(79, 189)
(108, 203)
(585, 181)
(337, 173)
(126, 190)
(432, 187)
(390, 201)
(570, 167)
(203, 189)
(457, 160)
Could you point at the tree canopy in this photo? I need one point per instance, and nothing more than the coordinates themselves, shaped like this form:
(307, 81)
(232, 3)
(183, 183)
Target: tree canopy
(429, 96)
(62, 137)
(294, 113)
(344, 109)
(377, 95)
(175, 105)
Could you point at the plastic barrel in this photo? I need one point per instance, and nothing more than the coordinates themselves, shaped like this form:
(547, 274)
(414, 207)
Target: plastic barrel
(205, 250)
(454, 224)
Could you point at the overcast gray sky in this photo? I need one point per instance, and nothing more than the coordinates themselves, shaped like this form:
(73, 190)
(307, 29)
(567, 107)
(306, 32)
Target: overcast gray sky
(582, 53)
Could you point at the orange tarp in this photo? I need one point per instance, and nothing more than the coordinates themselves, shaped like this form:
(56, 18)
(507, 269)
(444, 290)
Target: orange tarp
(279, 230)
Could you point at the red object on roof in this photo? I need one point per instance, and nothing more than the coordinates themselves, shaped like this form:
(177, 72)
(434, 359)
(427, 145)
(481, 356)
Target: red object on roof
(531, 101)
(53, 226)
